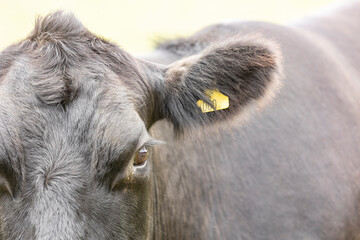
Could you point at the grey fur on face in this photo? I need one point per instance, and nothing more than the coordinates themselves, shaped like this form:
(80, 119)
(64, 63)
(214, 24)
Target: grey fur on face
(74, 110)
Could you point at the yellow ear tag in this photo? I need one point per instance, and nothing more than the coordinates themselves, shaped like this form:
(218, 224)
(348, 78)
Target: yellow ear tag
(219, 100)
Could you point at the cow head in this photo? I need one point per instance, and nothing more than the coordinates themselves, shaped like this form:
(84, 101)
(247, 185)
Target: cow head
(74, 117)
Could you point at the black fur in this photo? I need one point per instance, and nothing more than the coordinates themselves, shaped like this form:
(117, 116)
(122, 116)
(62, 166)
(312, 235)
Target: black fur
(75, 109)
(68, 133)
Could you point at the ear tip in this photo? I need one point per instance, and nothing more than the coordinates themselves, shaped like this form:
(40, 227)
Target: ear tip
(259, 45)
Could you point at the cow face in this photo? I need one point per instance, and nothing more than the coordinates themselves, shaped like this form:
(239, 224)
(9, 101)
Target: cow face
(75, 158)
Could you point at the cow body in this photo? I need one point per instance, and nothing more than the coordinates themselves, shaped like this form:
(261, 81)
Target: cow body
(291, 173)
(75, 111)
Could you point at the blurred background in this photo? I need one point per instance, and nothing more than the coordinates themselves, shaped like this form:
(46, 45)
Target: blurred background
(135, 24)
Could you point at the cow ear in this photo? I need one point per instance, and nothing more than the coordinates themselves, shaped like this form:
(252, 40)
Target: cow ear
(229, 77)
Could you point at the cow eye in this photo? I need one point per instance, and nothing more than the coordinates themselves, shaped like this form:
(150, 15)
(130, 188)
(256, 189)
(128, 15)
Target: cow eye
(141, 156)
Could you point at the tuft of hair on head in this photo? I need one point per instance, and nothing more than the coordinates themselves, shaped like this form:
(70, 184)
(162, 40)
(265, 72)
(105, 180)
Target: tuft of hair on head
(57, 43)
(59, 25)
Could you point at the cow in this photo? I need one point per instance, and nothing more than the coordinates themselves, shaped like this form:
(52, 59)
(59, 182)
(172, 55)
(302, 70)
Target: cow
(98, 144)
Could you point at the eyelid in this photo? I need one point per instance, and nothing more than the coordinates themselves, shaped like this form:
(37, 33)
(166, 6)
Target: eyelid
(149, 142)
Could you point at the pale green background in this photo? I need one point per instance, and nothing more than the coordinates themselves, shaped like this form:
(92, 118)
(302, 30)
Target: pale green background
(135, 24)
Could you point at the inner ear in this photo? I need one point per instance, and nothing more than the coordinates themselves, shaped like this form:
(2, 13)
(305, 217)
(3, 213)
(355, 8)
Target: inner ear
(246, 70)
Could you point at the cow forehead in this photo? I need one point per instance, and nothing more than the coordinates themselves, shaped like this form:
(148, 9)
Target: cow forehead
(100, 114)
(65, 94)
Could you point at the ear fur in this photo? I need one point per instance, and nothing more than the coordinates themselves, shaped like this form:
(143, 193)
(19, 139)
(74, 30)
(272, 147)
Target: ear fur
(247, 70)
